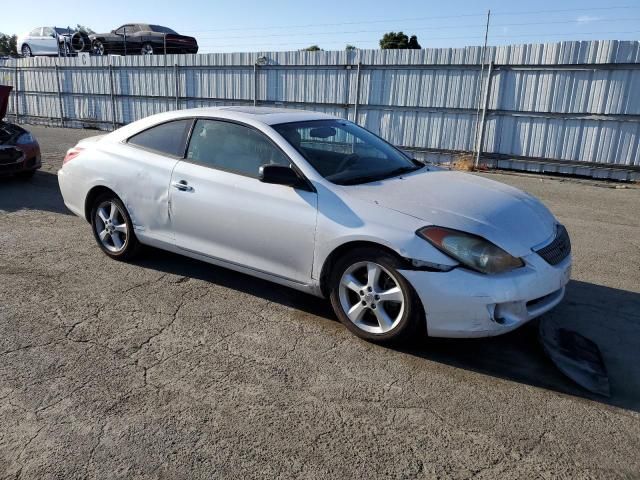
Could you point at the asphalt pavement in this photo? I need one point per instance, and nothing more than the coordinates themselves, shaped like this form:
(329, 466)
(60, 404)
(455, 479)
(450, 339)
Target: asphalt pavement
(172, 368)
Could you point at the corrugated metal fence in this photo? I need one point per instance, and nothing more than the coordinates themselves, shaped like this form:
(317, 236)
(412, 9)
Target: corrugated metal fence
(550, 106)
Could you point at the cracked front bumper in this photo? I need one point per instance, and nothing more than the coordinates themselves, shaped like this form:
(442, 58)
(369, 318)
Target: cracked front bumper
(461, 303)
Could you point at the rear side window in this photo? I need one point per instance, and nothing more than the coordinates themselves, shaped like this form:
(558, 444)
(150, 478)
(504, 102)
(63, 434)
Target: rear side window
(35, 32)
(167, 138)
(232, 147)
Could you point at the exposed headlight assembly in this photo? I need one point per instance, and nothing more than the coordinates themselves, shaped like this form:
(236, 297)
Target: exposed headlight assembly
(470, 250)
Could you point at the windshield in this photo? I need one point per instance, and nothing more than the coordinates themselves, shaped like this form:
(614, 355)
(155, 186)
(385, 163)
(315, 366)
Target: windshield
(344, 153)
(63, 31)
(159, 29)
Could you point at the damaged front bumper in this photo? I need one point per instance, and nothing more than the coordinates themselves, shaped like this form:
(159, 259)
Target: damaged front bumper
(464, 304)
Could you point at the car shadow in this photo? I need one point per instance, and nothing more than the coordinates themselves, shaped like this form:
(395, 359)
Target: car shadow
(609, 317)
(40, 192)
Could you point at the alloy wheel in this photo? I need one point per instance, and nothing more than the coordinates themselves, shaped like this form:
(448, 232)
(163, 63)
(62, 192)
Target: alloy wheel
(26, 51)
(371, 297)
(147, 49)
(111, 226)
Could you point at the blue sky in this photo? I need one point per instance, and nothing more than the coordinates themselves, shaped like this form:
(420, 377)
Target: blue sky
(252, 25)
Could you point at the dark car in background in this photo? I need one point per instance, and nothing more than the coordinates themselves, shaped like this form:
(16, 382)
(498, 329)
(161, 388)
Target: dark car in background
(142, 39)
(19, 150)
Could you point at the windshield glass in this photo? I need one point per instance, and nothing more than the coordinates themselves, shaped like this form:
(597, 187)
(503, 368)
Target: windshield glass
(344, 153)
(159, 29)
(62, 31)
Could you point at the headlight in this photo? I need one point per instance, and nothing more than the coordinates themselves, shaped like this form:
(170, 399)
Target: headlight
(470, 250)
(25, 139)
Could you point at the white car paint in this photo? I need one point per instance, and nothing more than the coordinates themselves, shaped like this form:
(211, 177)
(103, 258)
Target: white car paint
(41, 41)
(286, 235)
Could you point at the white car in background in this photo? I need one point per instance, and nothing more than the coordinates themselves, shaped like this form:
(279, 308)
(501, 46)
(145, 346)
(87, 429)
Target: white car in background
(52, 41)
(322, 205)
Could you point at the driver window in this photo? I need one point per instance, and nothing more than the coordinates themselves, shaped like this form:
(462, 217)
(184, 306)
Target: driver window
(47, 32)
(232, 147)
(120, 30)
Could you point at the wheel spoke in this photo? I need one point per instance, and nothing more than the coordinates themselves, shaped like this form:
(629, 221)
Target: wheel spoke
(392, 295)
(117, 241)
(103, 235)
(122, 228)
(113, 213)
(102, 213)
(356, 312)
(373, 274)
(383, 318)
(352, 283)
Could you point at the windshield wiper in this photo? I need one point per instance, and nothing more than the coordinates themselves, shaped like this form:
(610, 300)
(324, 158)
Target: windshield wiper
(380, 176)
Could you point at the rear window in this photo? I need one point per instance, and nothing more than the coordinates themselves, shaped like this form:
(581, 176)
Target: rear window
(167, 138)
(159, 29)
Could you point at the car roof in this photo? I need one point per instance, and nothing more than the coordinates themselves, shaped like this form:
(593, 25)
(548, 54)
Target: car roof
(250, 115)
(265, 115)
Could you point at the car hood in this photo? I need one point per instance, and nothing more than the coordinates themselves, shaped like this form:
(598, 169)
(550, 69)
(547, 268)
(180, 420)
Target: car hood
(506, 216)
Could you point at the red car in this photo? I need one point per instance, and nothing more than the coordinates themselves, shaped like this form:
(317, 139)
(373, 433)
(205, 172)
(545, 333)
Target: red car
(19, 150)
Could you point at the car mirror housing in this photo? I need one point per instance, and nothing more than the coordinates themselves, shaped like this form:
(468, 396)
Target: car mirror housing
(281, 175)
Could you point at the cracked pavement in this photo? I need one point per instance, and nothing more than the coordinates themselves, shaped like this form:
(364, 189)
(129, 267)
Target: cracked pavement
(171, 368)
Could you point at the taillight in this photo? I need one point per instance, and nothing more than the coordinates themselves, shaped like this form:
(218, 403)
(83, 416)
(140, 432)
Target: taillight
(71, 154)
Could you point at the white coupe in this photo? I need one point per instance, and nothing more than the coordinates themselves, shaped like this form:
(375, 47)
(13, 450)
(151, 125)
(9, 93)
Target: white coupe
(319, 204)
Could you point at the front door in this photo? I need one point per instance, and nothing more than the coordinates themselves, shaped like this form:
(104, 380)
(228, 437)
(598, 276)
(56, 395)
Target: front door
(220, 209)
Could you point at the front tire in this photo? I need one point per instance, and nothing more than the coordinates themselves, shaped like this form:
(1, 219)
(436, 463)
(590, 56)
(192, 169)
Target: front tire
(147, 49)
(372, 299)
(113, 229)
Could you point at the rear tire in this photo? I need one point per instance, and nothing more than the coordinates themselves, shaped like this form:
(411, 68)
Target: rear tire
(373, 300)
(98, 48)
(112, 228)
(26, 51)
(147, 49)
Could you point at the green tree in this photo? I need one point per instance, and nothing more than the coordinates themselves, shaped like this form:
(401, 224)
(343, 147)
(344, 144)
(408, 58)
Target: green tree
(8, 44)
(350, 48)
(399, 40)
(312, 48)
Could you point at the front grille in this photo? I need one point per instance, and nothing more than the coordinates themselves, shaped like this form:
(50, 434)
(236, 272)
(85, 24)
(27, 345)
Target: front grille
(557, 250)
(9, 155)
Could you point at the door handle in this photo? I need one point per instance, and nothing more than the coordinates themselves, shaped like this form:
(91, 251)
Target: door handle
(182, 185)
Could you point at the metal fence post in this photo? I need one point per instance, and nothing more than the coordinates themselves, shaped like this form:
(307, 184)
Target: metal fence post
(59, 91)
(113, 102)
(15, 97)
(487, 93)
(177, 86)
(255, 83)
(357, 99)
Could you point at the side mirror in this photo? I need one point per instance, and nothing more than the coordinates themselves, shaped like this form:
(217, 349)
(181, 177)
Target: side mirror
(281, 175)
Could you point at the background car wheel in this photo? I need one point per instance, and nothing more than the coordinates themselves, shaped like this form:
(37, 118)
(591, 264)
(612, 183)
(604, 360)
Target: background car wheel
(372, 299)
(97, 48)
(26, 51)
(112, 228)
(64, 49)
(147, 49)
